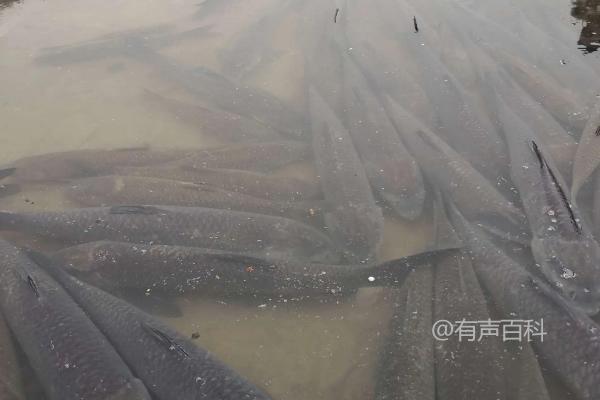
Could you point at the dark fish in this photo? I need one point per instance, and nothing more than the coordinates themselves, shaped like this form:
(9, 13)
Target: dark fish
(406, 369)
(571, 347)
(187, 226)
(11, 381)
(393, 173)
(71, 358)
(456, 177)
(176, 269)
(562, 244)
(214, 122)
(353, 218)
(172, 366)
(259, 156)
(113, 190)
(234, 180)
(587, 156)
(83, 163)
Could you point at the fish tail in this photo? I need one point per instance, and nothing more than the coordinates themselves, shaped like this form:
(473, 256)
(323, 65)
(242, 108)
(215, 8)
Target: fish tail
(9, 189)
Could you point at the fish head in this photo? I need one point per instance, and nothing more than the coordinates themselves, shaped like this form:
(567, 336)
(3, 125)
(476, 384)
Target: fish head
(83, 261)
(573, 267)
(356, 230)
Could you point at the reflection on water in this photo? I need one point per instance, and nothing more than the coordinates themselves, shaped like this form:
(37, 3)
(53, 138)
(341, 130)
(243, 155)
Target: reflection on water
(588, 11)
(253, 173)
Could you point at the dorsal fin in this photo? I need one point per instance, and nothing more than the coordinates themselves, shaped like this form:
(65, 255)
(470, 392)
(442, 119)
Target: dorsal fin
(165, 339)
(135, 209)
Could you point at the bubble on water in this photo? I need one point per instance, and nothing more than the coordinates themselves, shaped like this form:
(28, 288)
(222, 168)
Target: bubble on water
(371, 279)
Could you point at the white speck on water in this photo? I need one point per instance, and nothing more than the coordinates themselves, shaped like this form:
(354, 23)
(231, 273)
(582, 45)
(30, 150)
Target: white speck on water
(262, 306)
(371, 279)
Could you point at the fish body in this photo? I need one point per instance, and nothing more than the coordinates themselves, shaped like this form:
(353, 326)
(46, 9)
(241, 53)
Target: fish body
(114, 190)
(176, 270)
(562, 244)
(70, 356)
(571, 347)
(587, 156)
(354, 219)
(172, 366)
(11, 380)
(186, 226)
(234, 180)
(393, 173)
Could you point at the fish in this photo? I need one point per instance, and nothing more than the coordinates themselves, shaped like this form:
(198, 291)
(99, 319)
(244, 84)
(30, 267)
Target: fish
(464, 369)
(213, 122)
(172, 366)
(11, 379)
(457, 178)
(187, 226)
(257, 156)
(393, 173)
(69, 355)
(587, 156)
(562, 244)
(8, 189)
(405, 368)
(233, 180)
(353, 218)
(113, 190)
(83, 163)
(570, 348)
(177, 270)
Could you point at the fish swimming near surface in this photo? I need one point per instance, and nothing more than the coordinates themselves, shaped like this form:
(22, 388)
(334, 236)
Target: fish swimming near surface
(113, 190)
(70, 356)
(171, 365)
(353, 218)
(571, 345)
(11, 379)
(213, 122)
(562, 243)
(187, 226)
(587, 156)
(177, 270)
(234, 180)
(406, 368)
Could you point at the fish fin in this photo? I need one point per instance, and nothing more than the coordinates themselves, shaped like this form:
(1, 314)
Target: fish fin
(7, 172)
(135, 209)
(9, 189)
(561, 192)
(444, 233)
(165, 339)
(33, 285)
(154, 304)
(566, 305)
(133, 148)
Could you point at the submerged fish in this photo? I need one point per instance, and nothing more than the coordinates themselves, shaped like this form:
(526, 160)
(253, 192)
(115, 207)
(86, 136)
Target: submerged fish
(456, 178)
(587, 156)
(353, 218)
(406, 369)
(393, 173)
(214, 122)
(571, 345)
(562, 244)
(172, 366)
(114, 190)
(234, 180)
(11, 381)
(70, 356)
(187, 226)
(176, 269)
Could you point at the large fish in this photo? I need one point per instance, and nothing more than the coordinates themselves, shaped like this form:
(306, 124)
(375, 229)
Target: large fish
(11, 381)
(562, 244)
(353, 218)
(406, 369)
(587, 156)
(571, 346)
(70, 356)
(170, 365)
(186, 226)
(234, 180)
(177, 269)
(393, 173)
(456, 178)
(113, 190)
(213, 122)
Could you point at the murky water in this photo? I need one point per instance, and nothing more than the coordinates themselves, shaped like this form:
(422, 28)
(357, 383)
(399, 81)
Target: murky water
(72, 77)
